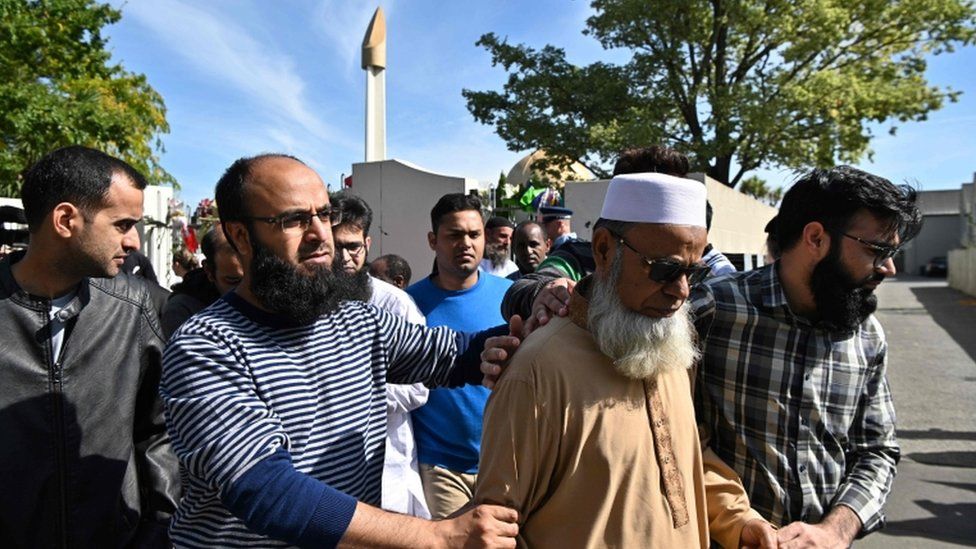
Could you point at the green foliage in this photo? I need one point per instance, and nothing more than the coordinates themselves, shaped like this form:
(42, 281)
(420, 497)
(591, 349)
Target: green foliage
(737, 85)
(58, 87)
(758, 189)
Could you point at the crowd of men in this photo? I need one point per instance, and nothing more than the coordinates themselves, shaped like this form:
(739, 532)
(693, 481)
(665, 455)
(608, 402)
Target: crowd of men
(535, 390)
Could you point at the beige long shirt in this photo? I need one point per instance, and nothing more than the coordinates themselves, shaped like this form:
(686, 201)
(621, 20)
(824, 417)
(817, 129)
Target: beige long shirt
(590, 458)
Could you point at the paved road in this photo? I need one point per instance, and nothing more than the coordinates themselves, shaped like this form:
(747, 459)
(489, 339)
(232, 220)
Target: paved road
(931, 331)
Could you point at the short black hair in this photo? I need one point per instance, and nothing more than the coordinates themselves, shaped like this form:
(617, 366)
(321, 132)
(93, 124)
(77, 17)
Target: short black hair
(230, 191)
(832, 197)
(396, 266)
(353, 210)
(526, 225)
(75, 174)
(208, 244)
(498, 222)
(656, 158)
(454, 202)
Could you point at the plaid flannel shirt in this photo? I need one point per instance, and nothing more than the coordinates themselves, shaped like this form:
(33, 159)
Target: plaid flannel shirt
(803, 415)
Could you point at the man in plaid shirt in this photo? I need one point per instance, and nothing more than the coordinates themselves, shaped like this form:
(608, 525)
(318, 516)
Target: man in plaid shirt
(792, 385)
(791, 389)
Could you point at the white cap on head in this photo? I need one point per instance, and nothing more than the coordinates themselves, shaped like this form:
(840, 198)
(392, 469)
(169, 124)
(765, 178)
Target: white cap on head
(655, 198)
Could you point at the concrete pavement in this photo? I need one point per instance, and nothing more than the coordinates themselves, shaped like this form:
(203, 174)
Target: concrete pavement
(931, 332)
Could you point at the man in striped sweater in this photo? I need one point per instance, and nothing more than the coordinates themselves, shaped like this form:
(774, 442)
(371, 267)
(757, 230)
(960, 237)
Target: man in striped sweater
(274, 395)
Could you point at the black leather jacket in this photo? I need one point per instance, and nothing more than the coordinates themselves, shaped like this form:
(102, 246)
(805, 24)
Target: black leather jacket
(84, 456)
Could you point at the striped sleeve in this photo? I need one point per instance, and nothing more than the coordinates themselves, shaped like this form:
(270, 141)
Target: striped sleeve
(416, 353)
(218, 425)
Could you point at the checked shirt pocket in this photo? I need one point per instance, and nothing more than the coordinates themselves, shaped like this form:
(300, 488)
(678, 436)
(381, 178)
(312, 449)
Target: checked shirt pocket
(843, 390)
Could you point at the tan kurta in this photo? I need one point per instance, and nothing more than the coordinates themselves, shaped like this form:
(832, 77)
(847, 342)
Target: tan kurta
(572, 446)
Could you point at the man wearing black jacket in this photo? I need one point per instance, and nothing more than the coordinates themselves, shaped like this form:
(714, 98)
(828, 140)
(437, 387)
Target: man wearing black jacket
(85, 459)
(220, 273)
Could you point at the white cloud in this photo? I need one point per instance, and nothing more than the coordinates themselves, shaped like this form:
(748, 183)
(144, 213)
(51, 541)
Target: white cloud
(226, 52)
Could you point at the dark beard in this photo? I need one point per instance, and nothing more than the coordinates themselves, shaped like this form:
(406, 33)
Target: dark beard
(842, 302)
(496, 254)
(283, 289)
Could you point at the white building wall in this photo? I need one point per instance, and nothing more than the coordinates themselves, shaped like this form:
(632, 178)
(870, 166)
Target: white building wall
(157, 242)
(962, 270)
(401, 196)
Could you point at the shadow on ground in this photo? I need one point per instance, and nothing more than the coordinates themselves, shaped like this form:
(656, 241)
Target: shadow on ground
(935, 434)
(945, 459)
(954, 311)
(961, 515)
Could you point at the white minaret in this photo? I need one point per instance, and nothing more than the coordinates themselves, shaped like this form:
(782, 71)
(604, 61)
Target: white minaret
(374, 63)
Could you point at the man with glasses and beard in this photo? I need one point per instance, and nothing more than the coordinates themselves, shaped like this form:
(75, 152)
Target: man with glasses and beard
(792, 386)
(590, 434)
(403, 491)
(792, 382)
(274, 395)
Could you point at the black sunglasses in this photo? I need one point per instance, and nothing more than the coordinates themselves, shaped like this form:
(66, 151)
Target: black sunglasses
(301, 220)
(666, 271)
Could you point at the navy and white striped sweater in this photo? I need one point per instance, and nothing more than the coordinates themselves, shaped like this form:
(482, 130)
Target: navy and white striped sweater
(239, 384)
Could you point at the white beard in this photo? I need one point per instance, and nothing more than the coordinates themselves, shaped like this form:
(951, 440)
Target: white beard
(640, 347)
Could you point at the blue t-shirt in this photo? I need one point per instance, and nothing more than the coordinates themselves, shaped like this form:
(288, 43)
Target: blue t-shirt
(448, 427)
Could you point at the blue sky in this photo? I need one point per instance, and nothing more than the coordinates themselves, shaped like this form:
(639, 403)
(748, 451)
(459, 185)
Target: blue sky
(242, 77)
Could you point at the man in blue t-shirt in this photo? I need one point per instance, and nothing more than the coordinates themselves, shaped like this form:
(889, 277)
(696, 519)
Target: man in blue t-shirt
(462, 297)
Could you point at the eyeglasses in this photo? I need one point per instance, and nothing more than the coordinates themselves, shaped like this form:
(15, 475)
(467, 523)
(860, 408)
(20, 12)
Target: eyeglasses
(351, 248)
(666, 271)
(882, 253)
(300, 221)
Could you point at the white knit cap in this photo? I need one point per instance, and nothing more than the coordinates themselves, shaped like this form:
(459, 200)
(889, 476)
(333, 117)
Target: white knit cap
(655, 198)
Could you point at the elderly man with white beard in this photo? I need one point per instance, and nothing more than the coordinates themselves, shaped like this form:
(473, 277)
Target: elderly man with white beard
(590, 434)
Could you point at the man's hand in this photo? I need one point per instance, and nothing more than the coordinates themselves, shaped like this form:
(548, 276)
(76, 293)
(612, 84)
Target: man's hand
(483, 526)
(837, 530)
(801, 534)
(552, 300)
(498, 351)
(759, 534)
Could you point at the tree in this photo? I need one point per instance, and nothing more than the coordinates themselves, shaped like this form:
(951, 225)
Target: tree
(59, 87)
(738, 85)
(758, 189)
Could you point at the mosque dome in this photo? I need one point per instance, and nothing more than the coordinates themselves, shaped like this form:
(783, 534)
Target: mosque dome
(522, 170)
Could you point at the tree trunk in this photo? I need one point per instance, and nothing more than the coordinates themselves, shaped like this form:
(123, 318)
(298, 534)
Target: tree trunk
(721, 170)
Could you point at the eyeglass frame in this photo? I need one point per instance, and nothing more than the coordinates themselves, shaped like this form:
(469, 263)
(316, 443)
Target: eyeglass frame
(695, 273)
(882, 252)
(303, 217)
(360, 249)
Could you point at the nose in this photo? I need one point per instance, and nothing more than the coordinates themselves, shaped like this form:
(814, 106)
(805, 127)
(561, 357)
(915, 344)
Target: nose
(318, 230)
(130, 241)
(888, 267)
(679, 288)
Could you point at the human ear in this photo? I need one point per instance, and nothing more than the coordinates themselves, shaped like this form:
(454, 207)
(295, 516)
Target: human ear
(66, 219)
(604, 247)
(816, 240)
(431, 240)
(238, 235)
